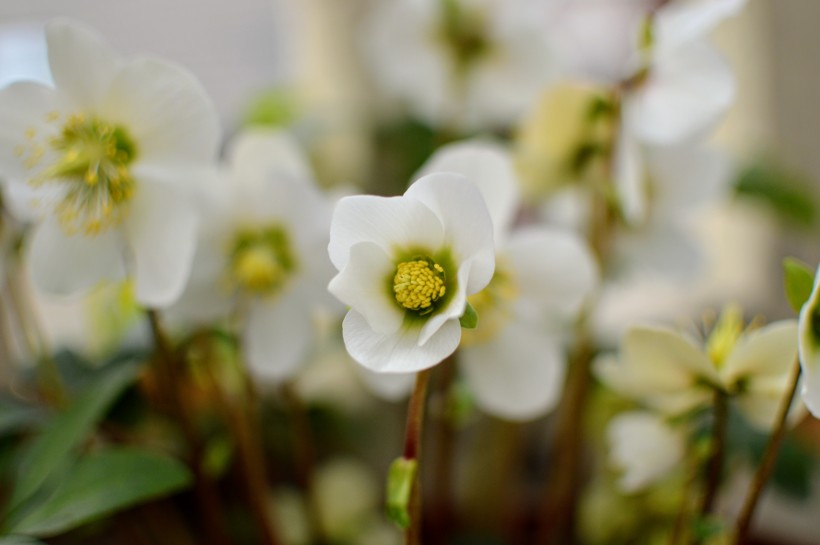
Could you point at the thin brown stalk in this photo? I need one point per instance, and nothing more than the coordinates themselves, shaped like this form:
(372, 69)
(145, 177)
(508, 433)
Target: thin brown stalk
(412, 451)
(442, 519)
(766, 465)
(718, 445)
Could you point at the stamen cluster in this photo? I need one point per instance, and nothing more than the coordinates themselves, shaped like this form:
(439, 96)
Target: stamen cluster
(418, 284)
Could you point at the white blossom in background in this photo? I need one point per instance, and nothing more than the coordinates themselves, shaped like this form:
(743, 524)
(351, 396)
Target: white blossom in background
(459, 63)
(406, 266)
(262, 256)
(672, 373)
(514, 361)
(644, 447)
(114, 153)
(809, 341)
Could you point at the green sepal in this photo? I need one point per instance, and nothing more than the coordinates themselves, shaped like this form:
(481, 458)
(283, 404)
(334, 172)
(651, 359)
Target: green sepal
(469, 320)
(798, 280)
(400, 479)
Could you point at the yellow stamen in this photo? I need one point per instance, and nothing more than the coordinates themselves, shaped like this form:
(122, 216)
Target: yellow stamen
(418, 284)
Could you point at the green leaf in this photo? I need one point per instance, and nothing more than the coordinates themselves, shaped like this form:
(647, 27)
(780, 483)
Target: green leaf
(103, 483)
(19, 540)
(400, 480)
(799, 281)
(469, 320)
(15, 417)
(789, 194)
(51, 449)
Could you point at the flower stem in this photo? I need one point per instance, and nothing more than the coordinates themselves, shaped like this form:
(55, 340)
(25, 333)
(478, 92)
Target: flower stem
(412, 451)
(441, 523)
(766, 465)
(207, 497)
(718, 444)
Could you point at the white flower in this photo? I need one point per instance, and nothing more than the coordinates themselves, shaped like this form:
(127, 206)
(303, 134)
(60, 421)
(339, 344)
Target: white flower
(514, 361)
(113, 151)
(644, 447)
(674, 374)
(406, 266)
(263, 254)
(468, 63)
(809, 341)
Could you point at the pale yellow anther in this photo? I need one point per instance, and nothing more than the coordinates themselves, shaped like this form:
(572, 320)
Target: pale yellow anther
(418, 284)
(257, 269)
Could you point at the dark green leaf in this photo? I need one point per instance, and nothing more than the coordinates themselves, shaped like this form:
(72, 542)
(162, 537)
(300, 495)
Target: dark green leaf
(799, 281)
(51, 449)
(101, 484)
(19, 540)
(786, 192)
(469, 320)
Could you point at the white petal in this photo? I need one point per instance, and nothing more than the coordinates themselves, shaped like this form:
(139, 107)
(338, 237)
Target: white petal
(760, 402)
(70, 265)
(763, 354)
(687, 91)
(629, 176)
(82, 63)
(398, 352)
(467, 224)
(278, 334)
(666, 357)
(23, 107)
(363, 284)
(554, 271)
(685, 20)
(390, 222)
(165, 110)
(644, 447)
(161, 231)
(261, 152)
(518, 375)
(207, 296)
(490, 167)
(808, 344)
(387, 386)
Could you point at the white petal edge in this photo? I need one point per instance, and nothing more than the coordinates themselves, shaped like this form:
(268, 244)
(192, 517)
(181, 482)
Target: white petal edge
(808, 344)
(394, 223)
(684, 20)
(82, 63)
(518, 375)
(71, 265)
(161, 232)
(363, 285)
(398, 352)
(259, 152)
(765, 353)
(468, 228)
(490, 167)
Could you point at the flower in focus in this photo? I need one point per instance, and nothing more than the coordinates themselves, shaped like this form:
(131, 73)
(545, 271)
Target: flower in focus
(263, 254)
(112, 154)
(462, 63)
(674, 374)
(644, 447)
(809, 342)
(406, 266)
(514, 361)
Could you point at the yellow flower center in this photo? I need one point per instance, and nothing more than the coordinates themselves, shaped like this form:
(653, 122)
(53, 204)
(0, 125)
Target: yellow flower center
(261, 260)
(92, 167)
(418, 284)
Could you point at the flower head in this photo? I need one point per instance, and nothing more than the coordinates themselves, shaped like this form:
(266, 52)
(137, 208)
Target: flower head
(406, 266)
(110, 154)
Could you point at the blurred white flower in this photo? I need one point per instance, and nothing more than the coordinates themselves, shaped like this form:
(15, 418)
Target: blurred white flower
(263, 254)
(672, 373)
(644, 447)
(809, 341)
(514, 361)
(406, 266)
(459, 63)
(113, 152)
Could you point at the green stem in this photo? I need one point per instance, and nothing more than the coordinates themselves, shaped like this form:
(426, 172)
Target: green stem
(718, 444)
(412, 451)
(766, 466)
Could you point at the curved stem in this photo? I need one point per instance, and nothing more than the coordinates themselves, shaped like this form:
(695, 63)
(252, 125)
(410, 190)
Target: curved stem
(412, 451)
(764, 469)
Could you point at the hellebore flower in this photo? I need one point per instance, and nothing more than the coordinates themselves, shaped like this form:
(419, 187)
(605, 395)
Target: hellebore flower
(263, 254)
(406, 266)
(112, 152)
